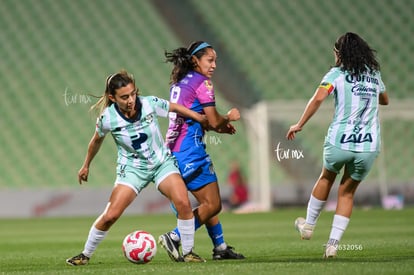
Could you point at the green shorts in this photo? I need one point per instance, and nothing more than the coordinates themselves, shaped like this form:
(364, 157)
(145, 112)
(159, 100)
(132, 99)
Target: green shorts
(138, 179)
(357, 164)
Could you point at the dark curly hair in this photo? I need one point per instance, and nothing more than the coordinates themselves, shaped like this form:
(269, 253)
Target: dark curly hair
(182, 60)
(355, 55)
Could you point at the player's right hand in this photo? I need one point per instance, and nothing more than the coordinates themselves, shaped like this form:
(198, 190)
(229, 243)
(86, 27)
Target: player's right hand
(83, 174)
(233, 114)
(292, 131)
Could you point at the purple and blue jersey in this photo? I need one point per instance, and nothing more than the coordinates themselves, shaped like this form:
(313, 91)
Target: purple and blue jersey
(185, 136)
(195, 92)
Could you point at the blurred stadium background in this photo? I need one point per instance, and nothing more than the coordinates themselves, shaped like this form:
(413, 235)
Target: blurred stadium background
(272, 54)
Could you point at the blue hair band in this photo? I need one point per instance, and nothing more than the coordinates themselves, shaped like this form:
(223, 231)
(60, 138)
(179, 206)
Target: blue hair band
(200, 47)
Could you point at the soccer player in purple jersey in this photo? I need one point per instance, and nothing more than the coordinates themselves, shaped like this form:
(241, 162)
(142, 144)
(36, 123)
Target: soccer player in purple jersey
(191, 86)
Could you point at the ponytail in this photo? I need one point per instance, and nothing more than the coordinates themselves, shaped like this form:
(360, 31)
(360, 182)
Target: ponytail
(112, 83)
(182, 58)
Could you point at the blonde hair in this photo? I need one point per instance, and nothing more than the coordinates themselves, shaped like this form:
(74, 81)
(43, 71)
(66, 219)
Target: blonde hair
(112, 83)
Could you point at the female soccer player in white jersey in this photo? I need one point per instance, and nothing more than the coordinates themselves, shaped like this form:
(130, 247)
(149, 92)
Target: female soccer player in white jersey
(353, 138)
(142, 158)
(191, 86)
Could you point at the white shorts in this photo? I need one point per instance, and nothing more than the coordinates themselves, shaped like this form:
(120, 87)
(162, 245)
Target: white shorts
(138, 179)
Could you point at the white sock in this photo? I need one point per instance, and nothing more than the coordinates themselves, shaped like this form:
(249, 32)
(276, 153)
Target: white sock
(339, 225)
(221, 247)
(186, 228)
(95, 237)
(314, 209)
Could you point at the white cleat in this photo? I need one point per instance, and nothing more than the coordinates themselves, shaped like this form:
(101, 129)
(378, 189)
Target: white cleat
(305, 230)
(330, 251)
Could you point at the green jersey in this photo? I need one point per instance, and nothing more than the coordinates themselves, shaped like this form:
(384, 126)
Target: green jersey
(355, 126)
(140, 142)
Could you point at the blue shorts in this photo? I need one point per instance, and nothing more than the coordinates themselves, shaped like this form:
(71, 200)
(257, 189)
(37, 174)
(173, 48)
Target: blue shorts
(357, 164)
(196, 168)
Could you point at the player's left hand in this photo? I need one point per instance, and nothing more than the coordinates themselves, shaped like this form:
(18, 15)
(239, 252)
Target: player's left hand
(227, 129)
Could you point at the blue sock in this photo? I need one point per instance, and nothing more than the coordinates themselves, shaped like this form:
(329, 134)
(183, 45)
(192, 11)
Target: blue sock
(216, 234)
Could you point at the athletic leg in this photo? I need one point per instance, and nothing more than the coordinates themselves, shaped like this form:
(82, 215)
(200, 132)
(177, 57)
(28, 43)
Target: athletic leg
(319, 195)
(210, 204)
(174, 189)
(209, 201)
(346, 192)
(316, 203)
(120, 198)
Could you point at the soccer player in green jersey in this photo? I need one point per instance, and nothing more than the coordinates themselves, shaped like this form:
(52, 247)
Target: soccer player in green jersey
(142, 158)
(353, 138)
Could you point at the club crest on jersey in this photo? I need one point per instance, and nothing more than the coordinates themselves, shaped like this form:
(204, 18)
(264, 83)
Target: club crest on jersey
(149, 118)
(208, 84)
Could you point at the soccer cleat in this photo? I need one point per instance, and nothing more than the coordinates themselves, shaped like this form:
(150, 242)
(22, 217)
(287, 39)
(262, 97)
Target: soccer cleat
(226, 254)
(78, 260)
(171, 246)
(330, 251)
(193, 257)
(305, 230)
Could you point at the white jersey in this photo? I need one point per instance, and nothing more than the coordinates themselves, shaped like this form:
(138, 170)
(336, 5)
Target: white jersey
(140, 142)
(355, 126)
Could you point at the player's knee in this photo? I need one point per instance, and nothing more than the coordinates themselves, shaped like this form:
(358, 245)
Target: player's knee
(182, 207)
(214, 209)
(218, 209)
(110, 218)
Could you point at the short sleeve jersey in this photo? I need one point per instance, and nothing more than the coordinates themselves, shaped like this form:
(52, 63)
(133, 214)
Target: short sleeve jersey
(355, 125)
(195, 92)
(140, 142)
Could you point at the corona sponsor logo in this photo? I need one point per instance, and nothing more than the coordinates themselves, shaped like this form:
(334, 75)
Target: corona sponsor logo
(361, 78)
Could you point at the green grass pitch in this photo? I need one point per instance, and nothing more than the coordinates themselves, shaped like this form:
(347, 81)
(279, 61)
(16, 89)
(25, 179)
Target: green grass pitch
(376, 242)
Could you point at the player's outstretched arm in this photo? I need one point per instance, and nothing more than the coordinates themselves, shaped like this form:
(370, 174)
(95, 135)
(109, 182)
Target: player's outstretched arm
(313, 105)
(184, 111)
(220, 123)
(93, 148)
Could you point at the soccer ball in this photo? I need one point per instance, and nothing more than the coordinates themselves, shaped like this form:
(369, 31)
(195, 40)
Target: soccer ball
(139, 247)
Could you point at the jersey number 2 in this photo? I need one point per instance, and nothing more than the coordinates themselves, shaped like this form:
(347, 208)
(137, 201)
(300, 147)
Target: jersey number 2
(138, 140)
